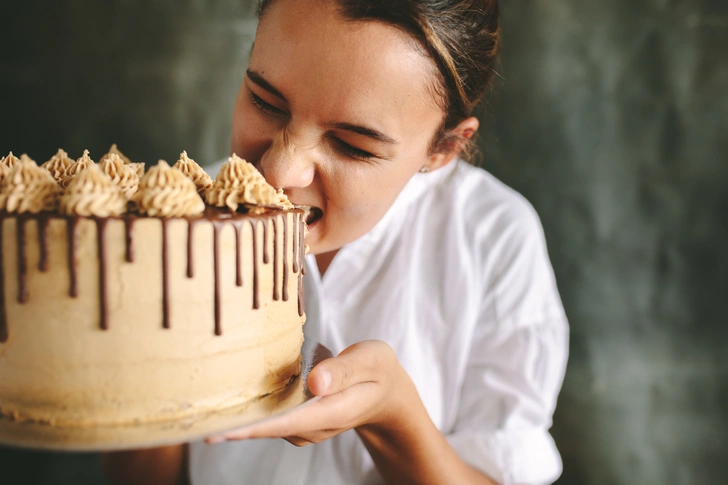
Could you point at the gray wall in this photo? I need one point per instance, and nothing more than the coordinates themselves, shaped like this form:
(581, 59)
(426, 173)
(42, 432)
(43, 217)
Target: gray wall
(611, 119)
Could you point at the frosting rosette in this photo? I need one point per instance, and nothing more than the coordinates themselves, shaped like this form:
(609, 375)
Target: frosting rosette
(239, 182)
(58, 165)
(193, 170)
(79, 166)
(124, 176)
(6, 164)
(114, 150)
(138, 168)
(28, 188)
(92, 193)
(166, 192)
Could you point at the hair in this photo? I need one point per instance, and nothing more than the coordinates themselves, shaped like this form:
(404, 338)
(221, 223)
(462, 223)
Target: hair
(462, 37)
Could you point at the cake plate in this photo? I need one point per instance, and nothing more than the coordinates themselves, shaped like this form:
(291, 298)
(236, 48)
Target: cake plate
(41, 436)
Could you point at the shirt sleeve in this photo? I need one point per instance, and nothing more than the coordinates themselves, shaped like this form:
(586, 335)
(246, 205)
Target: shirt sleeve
(517, 358)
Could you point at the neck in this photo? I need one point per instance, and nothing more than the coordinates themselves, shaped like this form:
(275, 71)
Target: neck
(323, 261)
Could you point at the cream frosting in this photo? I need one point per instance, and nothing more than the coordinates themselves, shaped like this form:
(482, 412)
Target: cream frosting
(114, 150)
(167, 192)
(123, 175)
(93, 193)
(239, 182)
(79, 166)
(9, 161)
(138, 168)
(58, 165)
(28, 188)
(193, 170)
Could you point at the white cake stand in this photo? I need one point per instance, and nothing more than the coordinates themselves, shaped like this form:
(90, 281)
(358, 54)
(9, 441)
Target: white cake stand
(41, 436)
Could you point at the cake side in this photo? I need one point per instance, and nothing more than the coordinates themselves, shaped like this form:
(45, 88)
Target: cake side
(207, 314)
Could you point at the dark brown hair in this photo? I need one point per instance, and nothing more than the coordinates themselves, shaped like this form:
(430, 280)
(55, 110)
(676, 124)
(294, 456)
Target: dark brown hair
(461, 36)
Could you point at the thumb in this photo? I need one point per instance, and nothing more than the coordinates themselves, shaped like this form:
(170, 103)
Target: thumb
(354, 365)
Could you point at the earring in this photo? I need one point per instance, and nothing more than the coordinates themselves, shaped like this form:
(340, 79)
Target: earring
(424, 169)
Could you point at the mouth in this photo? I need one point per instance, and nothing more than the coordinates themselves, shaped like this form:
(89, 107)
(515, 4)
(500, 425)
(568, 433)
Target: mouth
(311, 213)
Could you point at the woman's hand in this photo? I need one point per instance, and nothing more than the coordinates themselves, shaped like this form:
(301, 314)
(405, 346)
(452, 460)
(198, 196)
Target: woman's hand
(364, 385)
(366, 388)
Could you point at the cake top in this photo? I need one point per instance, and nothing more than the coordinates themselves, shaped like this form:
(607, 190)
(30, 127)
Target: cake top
(117, 185)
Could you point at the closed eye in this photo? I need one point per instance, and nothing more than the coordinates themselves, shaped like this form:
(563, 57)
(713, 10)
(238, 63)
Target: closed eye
(265, 107)
(351, 151)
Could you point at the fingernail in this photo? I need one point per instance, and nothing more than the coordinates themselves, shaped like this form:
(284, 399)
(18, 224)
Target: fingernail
(215, 440)
(325, 380)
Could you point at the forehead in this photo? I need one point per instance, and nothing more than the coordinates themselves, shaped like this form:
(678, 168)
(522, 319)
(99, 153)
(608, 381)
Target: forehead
(318, 59)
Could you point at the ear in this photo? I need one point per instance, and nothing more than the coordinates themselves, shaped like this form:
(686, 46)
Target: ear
(453, 143)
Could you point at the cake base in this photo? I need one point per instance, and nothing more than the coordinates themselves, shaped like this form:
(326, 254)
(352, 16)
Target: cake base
(42, 436)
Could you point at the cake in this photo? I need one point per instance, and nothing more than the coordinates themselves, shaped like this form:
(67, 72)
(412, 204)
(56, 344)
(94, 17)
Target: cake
(129, 296)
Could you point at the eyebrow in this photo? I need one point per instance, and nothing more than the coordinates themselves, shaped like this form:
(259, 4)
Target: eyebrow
(260, 81)
(377, 135)
(363, 130)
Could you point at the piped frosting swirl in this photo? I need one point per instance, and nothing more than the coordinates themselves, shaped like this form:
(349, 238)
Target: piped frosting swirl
(79, 166)
(58, 165)
(124, 176)
(28, 188)
(167, 192)
(193, 170)
(92, 193)
(239, 182)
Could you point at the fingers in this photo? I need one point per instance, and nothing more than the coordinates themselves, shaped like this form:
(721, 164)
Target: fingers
(362, 362)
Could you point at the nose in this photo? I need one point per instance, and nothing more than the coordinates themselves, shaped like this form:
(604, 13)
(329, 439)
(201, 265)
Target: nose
(287, 164)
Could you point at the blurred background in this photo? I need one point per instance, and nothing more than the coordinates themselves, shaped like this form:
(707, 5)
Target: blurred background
(612, 119)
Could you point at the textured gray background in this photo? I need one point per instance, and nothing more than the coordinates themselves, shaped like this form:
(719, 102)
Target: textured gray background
(611, 119)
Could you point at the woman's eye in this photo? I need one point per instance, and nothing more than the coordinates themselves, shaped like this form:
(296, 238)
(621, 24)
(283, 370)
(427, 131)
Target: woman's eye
(263, 106)
(351, 151)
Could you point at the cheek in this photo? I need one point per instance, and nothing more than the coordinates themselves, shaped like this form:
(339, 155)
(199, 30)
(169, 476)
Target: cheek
(252, 135)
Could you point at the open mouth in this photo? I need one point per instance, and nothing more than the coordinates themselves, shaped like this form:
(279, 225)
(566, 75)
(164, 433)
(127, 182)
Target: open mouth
(312, 214)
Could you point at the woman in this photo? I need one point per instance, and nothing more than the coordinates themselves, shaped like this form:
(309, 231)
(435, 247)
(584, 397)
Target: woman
(428, 277)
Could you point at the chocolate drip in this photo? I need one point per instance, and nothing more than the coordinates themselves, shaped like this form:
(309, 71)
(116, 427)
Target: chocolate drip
(22, 260)
(43, 242)
(302, 258)
(165, 275)
(216, 262)
(285, 256)
(71, 224)
(253, 225)
(266, 260)
(275, 259)
(103, 294)
(296, 222)
(238, 248)
(190, 231)
(129, 229)
(218, 219)
(3, 315)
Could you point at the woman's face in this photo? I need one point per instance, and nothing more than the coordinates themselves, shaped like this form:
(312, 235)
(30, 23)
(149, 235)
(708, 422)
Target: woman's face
(339, 114)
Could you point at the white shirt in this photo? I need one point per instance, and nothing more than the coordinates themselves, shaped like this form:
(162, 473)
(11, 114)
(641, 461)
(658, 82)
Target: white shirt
(456, 278)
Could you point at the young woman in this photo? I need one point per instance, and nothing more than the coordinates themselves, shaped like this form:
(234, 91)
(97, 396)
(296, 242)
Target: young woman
(427, 277)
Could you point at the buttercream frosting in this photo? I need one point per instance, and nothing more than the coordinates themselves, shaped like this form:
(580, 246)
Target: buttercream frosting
(79, 166)
(58, 165)
(167, 192)
(28, 188)
(239, 182)
(93, 193)
(193, 170)
(124, 176)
